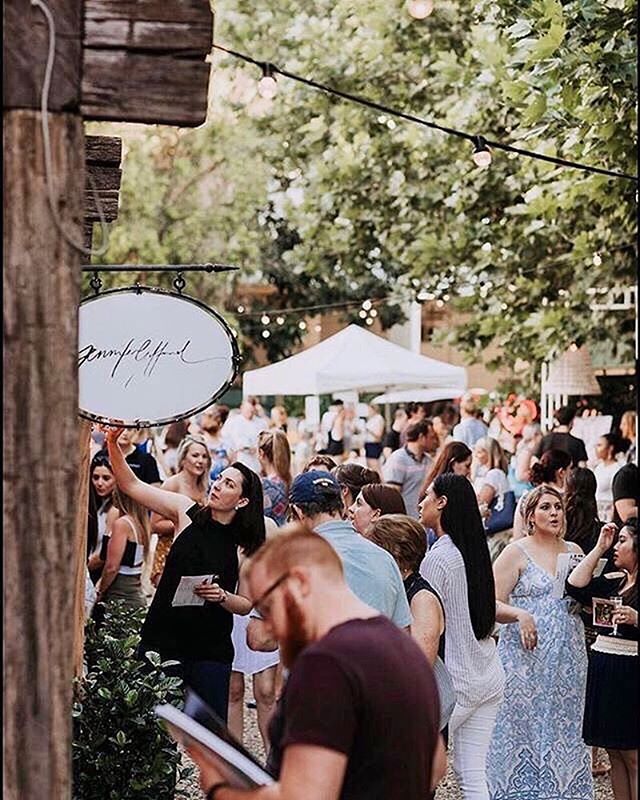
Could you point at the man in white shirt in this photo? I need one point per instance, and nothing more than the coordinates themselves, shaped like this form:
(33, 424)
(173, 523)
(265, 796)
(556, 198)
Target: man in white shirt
(241, 431)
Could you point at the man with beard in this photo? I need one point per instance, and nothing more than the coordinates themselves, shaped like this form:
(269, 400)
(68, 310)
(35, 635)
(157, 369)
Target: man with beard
(360, 709)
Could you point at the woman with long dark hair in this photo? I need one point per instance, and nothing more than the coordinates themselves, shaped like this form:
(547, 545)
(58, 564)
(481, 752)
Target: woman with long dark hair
(458, 567)
(583, 525)
(190, 621)
(537, 748)
(611, 715)
(551, 470)
(102, 511)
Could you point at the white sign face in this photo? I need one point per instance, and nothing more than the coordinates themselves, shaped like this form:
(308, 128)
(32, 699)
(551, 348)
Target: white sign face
(148, 357)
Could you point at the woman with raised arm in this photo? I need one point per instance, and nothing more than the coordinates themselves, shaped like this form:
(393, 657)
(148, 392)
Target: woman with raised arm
(194, 627)
(611, 715)
(193, 461)
(537, 748)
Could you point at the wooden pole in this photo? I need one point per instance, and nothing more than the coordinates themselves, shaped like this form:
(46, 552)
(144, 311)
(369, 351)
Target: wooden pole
(80, 546)
(41, 280)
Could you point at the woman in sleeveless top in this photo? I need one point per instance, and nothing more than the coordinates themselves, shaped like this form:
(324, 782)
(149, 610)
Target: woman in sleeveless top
(190, 621)
(193, 461)
(123, 552)
(537, 748)
(458, 567)
(405, 539)
(102, 511)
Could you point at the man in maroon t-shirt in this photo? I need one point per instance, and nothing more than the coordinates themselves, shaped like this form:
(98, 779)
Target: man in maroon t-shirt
(360, 708)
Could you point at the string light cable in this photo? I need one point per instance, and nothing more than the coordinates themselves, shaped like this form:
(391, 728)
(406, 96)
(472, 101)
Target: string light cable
(44, 113)
(481, 144)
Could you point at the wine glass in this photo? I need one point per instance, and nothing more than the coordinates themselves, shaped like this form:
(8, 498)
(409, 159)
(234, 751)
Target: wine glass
(617, 602)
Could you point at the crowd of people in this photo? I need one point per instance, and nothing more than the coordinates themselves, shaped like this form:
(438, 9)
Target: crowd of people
(389, 591)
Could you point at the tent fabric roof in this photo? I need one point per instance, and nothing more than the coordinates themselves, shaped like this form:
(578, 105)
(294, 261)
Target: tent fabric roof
(356, 359)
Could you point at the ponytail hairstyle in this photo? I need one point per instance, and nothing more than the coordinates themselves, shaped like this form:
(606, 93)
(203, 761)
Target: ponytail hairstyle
(274, 446)
(247, 526)
(616, 442)
(461, 520)
(138, 514)
(544, 471)
(386, 499)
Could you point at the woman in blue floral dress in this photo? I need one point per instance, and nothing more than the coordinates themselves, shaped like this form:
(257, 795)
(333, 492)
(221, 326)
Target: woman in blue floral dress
(537, 751)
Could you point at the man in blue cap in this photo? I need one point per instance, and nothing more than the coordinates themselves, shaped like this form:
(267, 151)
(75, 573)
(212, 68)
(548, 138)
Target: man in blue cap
(370, 572)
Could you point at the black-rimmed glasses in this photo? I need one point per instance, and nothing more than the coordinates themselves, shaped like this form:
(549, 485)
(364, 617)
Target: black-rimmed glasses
(258, 604)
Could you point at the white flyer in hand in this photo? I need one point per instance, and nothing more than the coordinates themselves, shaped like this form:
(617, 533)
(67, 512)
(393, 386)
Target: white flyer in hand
(565, 565)
(185, 594)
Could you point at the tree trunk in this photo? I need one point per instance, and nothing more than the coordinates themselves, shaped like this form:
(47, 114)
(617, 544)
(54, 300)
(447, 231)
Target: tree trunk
(41, 281)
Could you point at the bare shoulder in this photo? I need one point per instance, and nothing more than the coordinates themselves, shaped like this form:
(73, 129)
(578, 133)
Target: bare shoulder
(573, 547)
(513, 554)
(172, 484)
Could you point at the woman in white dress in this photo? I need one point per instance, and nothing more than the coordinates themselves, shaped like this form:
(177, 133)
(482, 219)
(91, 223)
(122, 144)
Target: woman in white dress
(261, 667)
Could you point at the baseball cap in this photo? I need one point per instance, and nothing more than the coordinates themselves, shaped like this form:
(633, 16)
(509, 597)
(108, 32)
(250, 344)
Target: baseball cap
(313, 486)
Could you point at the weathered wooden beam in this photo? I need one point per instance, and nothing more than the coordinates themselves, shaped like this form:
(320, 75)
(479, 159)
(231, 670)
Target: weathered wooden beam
(144, 61)
(102, 158)
(26, 42)
(41, 280)
(103, 150)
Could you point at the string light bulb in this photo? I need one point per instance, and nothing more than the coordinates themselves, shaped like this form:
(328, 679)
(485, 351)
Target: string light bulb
(367, 305)
(267, 86)
(280, 320)
(420, 9)
(481, 153)
(302, 325)
(265, 320)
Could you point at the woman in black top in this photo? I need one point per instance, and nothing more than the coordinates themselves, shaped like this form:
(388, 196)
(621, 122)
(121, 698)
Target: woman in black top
(198, 634)
(611, 712)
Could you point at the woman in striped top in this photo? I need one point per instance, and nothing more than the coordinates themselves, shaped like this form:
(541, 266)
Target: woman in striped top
(458, 567)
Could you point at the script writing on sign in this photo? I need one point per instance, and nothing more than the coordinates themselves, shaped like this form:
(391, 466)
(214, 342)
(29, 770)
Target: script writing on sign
(148, 357)
(140, 359)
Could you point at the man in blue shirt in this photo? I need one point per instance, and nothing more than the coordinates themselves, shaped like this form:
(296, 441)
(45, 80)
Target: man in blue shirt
(470, 428)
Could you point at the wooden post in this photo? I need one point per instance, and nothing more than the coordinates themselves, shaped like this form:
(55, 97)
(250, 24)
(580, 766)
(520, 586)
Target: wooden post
(41, 280)
(80, 546)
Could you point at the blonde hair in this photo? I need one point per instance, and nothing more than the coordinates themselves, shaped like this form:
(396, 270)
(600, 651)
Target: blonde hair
(274, 445)
(531, 502)
(497, 457)
(138, 514)
(185, 445)
(628, 424)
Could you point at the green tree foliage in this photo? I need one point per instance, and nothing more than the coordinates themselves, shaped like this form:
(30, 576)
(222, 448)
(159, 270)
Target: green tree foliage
(333, 201)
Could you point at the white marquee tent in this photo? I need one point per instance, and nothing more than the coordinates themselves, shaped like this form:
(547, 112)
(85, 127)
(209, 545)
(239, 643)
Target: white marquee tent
(353, 359)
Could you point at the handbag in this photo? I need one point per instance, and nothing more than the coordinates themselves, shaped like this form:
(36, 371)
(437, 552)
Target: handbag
(446, 692)
(501, 519)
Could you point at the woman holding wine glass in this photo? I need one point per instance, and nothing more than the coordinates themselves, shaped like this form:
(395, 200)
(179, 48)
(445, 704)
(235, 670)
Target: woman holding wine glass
(610, 719)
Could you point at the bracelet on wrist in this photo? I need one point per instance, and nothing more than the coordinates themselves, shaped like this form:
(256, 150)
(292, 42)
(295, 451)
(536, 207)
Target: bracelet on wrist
(211, 794)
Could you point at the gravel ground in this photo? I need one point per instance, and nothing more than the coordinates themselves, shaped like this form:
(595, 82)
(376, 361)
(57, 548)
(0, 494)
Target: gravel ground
(447, 790)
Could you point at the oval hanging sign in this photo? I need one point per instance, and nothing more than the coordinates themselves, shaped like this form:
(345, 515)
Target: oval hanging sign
(149, 357)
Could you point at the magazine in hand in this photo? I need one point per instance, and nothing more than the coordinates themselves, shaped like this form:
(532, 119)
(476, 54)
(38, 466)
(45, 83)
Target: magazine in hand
(565, 564)
(199, 724)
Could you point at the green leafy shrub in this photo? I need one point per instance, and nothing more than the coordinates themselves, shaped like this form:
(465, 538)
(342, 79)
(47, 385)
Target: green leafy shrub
(120, 749)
